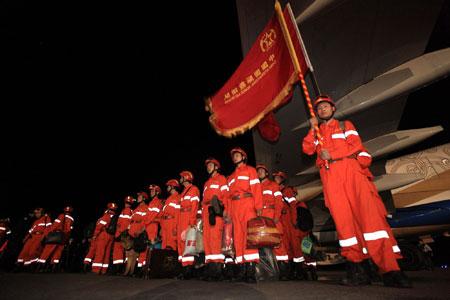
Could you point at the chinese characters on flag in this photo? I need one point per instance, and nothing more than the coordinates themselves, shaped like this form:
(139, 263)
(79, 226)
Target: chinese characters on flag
(263, 82)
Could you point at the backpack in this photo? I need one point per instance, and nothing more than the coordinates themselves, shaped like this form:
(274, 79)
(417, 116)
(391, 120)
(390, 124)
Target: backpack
(305, 220)
(111, 229)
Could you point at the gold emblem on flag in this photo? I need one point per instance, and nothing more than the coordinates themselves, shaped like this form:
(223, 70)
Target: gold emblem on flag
(268, 40)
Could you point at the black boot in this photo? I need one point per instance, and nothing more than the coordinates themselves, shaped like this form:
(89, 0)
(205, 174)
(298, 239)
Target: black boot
(355, 275)
(186, 273)
(396, 279)
(239, 276)
(112, 270)
(312, 272)
(371, 270)
(250, 274)
(228, 272)
(300, 272)
(284, 270)
(86, 268)
(291, 270)
(215, 272)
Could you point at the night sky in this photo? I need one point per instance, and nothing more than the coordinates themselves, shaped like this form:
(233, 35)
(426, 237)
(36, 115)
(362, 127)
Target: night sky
(102, 99)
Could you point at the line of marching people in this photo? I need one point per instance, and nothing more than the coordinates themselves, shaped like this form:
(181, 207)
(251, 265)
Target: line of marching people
(130, 234)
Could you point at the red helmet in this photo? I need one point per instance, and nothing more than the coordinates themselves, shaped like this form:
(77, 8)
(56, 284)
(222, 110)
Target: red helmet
(112, 206)
(129, 200)
(262, 166)
(143, 194)
(187, 176)
(280, 173)
(68, 209)
(323, 98)
(239, 150)
(173, 183)
(154, 187)
(212, 160)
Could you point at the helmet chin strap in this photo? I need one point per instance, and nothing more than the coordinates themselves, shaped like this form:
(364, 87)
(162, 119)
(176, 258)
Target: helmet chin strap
(237, 163)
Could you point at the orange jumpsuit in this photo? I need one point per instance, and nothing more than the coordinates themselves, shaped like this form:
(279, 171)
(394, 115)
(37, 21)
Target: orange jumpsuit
(190, 198)
(33, 247)
(244, 198)
(169, 220)
(154, 209)
(103, 242)
(272, 207)
(212, 235)
(53, 252)
(346, 189)
(122, 224)
(137, 225)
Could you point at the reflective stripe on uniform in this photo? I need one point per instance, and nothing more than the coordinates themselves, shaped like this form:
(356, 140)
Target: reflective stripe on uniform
(69, 217)
(348, 242)
(118, 261)
(372, 236)
(338, 136)
(254, 181)
(267, 192)
(214, 186)
(214, 256)
(277, 193)
(195, 198)
(187, 258)
(299, 259)
(224, 188)
(396, 249)
(351, 132)
(282, 257)
(243, 177)
(125, 216)
(251, 256)
(364, 154)
(102, 222)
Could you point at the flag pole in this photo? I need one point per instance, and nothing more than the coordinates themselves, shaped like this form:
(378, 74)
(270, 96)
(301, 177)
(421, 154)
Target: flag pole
(298, 70)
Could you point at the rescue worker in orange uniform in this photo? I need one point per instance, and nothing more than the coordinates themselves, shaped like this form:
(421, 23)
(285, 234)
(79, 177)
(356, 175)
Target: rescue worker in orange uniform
(189, 204)
(244, 202)
(272, 207)
(122, 224)
(138, 224)
(344, 184)
(32, 247)
(215, 187)
(299, 268)
(154, 210)
(63, 223)
(169, 216)
(102, 241)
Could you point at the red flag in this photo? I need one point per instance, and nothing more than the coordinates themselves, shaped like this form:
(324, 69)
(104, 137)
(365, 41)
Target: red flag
(262, 82)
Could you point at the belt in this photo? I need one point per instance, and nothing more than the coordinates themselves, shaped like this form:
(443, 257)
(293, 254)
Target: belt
(242, 196)
(168, 217)
(353, 156)
(186, 209)
(269, 206)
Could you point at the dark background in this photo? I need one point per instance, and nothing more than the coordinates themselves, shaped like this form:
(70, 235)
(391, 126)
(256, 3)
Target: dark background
(102, 99)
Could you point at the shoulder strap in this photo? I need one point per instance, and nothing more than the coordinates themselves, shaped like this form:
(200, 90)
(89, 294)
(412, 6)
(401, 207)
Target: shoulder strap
(342, 125)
